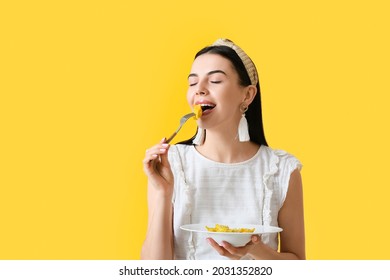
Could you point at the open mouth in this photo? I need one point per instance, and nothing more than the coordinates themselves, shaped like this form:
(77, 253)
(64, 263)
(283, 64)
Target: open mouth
(207, 107)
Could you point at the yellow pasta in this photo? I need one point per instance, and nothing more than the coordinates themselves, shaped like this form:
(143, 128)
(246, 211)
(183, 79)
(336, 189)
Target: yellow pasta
(223, 228)
(198, 111)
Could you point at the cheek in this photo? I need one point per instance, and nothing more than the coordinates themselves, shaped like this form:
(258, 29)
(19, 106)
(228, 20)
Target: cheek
(231, 105)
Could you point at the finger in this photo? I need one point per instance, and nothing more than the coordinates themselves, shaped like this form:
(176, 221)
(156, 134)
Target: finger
(155, 151)
(255, 239)
(164, 149)
(236, 251)
(164, 155)
(216, 246)
(160, 148)
(148, 159)
(220, 250)
(149, 165)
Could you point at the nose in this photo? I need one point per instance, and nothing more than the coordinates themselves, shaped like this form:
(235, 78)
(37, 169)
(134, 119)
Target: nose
(201, 92)
(201, 87)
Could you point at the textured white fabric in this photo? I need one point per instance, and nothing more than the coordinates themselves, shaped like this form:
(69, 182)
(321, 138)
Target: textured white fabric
(250, 192)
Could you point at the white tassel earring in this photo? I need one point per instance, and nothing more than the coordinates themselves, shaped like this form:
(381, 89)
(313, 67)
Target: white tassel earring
(199, 138)
(243, 132)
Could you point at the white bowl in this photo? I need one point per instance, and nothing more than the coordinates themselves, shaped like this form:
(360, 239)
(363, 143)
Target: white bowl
(237, 239)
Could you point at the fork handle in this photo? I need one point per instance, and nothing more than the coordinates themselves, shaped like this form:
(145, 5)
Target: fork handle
(170, 138)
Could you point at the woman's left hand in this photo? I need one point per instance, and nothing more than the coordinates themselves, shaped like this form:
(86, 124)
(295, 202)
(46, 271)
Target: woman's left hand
(231, 252)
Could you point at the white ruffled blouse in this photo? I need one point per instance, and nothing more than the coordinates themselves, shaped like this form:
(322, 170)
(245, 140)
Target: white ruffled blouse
(209, 192)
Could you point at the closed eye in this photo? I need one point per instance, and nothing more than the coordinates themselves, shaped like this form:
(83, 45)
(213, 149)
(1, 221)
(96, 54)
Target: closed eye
(216, 82)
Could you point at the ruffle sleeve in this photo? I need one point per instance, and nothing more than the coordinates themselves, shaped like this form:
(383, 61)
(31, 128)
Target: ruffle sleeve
(183, 206)
(287, 164)
(276, 180)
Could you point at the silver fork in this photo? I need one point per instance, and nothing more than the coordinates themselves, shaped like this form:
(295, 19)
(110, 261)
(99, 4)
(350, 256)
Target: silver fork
(182, 121)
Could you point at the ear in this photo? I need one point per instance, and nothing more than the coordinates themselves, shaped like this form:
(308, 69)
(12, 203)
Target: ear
(249, 94)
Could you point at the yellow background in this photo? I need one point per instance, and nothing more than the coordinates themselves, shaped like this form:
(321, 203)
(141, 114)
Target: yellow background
(87, 86)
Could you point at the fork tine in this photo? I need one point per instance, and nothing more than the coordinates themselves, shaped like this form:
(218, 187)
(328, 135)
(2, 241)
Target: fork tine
(182, 121)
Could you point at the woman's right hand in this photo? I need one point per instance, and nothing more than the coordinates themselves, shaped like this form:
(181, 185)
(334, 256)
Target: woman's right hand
(158, 169)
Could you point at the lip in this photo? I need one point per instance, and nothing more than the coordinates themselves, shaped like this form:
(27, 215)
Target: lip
(207, 112)
(204, 101)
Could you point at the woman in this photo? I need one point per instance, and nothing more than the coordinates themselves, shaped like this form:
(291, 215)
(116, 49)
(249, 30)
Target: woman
(226, 173)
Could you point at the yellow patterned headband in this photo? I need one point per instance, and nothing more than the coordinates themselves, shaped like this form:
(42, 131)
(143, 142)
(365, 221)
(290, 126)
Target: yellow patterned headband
(248, 63)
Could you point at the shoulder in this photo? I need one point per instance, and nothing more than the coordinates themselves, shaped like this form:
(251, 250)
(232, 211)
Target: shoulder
(283, 167)
(281, 159)
(178, 152)
(180, 149)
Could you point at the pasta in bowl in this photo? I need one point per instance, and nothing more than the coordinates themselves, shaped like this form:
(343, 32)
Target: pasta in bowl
(236, 234)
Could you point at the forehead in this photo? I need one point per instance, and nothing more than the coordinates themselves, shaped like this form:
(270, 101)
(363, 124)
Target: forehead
(210, 62)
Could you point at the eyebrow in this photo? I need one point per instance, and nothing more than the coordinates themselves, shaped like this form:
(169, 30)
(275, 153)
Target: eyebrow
(208, 74)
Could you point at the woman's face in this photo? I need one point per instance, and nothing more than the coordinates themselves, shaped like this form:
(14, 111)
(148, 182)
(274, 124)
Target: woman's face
(213, 81)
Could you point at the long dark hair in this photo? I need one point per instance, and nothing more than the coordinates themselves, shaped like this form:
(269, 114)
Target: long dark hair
(253, 115)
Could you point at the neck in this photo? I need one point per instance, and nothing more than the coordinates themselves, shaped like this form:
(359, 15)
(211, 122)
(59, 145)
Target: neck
(226, 148)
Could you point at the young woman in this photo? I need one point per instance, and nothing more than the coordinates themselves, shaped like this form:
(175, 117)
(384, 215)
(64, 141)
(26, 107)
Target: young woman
(225, 174)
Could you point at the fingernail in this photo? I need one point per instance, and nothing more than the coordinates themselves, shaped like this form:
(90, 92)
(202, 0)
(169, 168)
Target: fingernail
(163, 150)
(165, 145)
(208, 241)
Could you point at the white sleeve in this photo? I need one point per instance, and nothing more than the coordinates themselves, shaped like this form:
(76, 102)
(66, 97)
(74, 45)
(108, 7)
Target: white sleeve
(174, 161)
(287, 164)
